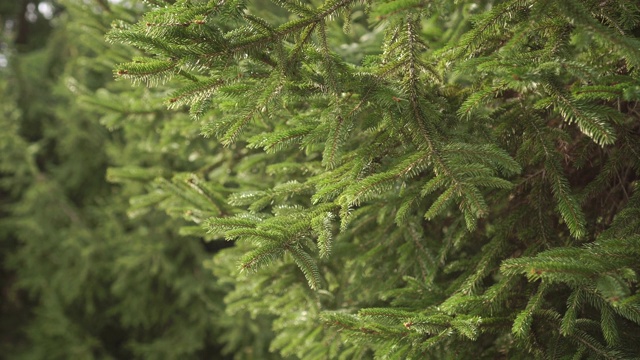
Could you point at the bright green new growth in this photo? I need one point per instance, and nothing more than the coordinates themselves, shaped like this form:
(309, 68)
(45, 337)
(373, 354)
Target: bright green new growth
(461, 184)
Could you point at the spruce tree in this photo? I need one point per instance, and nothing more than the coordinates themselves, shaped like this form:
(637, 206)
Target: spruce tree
(410, 179)
(398, 179)
(79, 280)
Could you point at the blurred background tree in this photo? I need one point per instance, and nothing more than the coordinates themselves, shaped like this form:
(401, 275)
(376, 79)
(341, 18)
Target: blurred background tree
(79, 279)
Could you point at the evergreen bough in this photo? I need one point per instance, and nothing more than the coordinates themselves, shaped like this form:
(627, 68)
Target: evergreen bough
(407, 179)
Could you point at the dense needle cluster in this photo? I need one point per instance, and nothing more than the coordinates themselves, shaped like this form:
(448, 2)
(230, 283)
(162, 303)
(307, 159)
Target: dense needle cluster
(405, 179)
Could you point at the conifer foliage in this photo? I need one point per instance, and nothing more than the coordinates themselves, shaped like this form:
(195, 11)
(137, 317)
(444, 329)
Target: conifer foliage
(407, 179)
(79, 280)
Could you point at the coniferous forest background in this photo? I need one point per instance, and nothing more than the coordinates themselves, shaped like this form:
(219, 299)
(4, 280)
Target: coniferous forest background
(320, 179)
